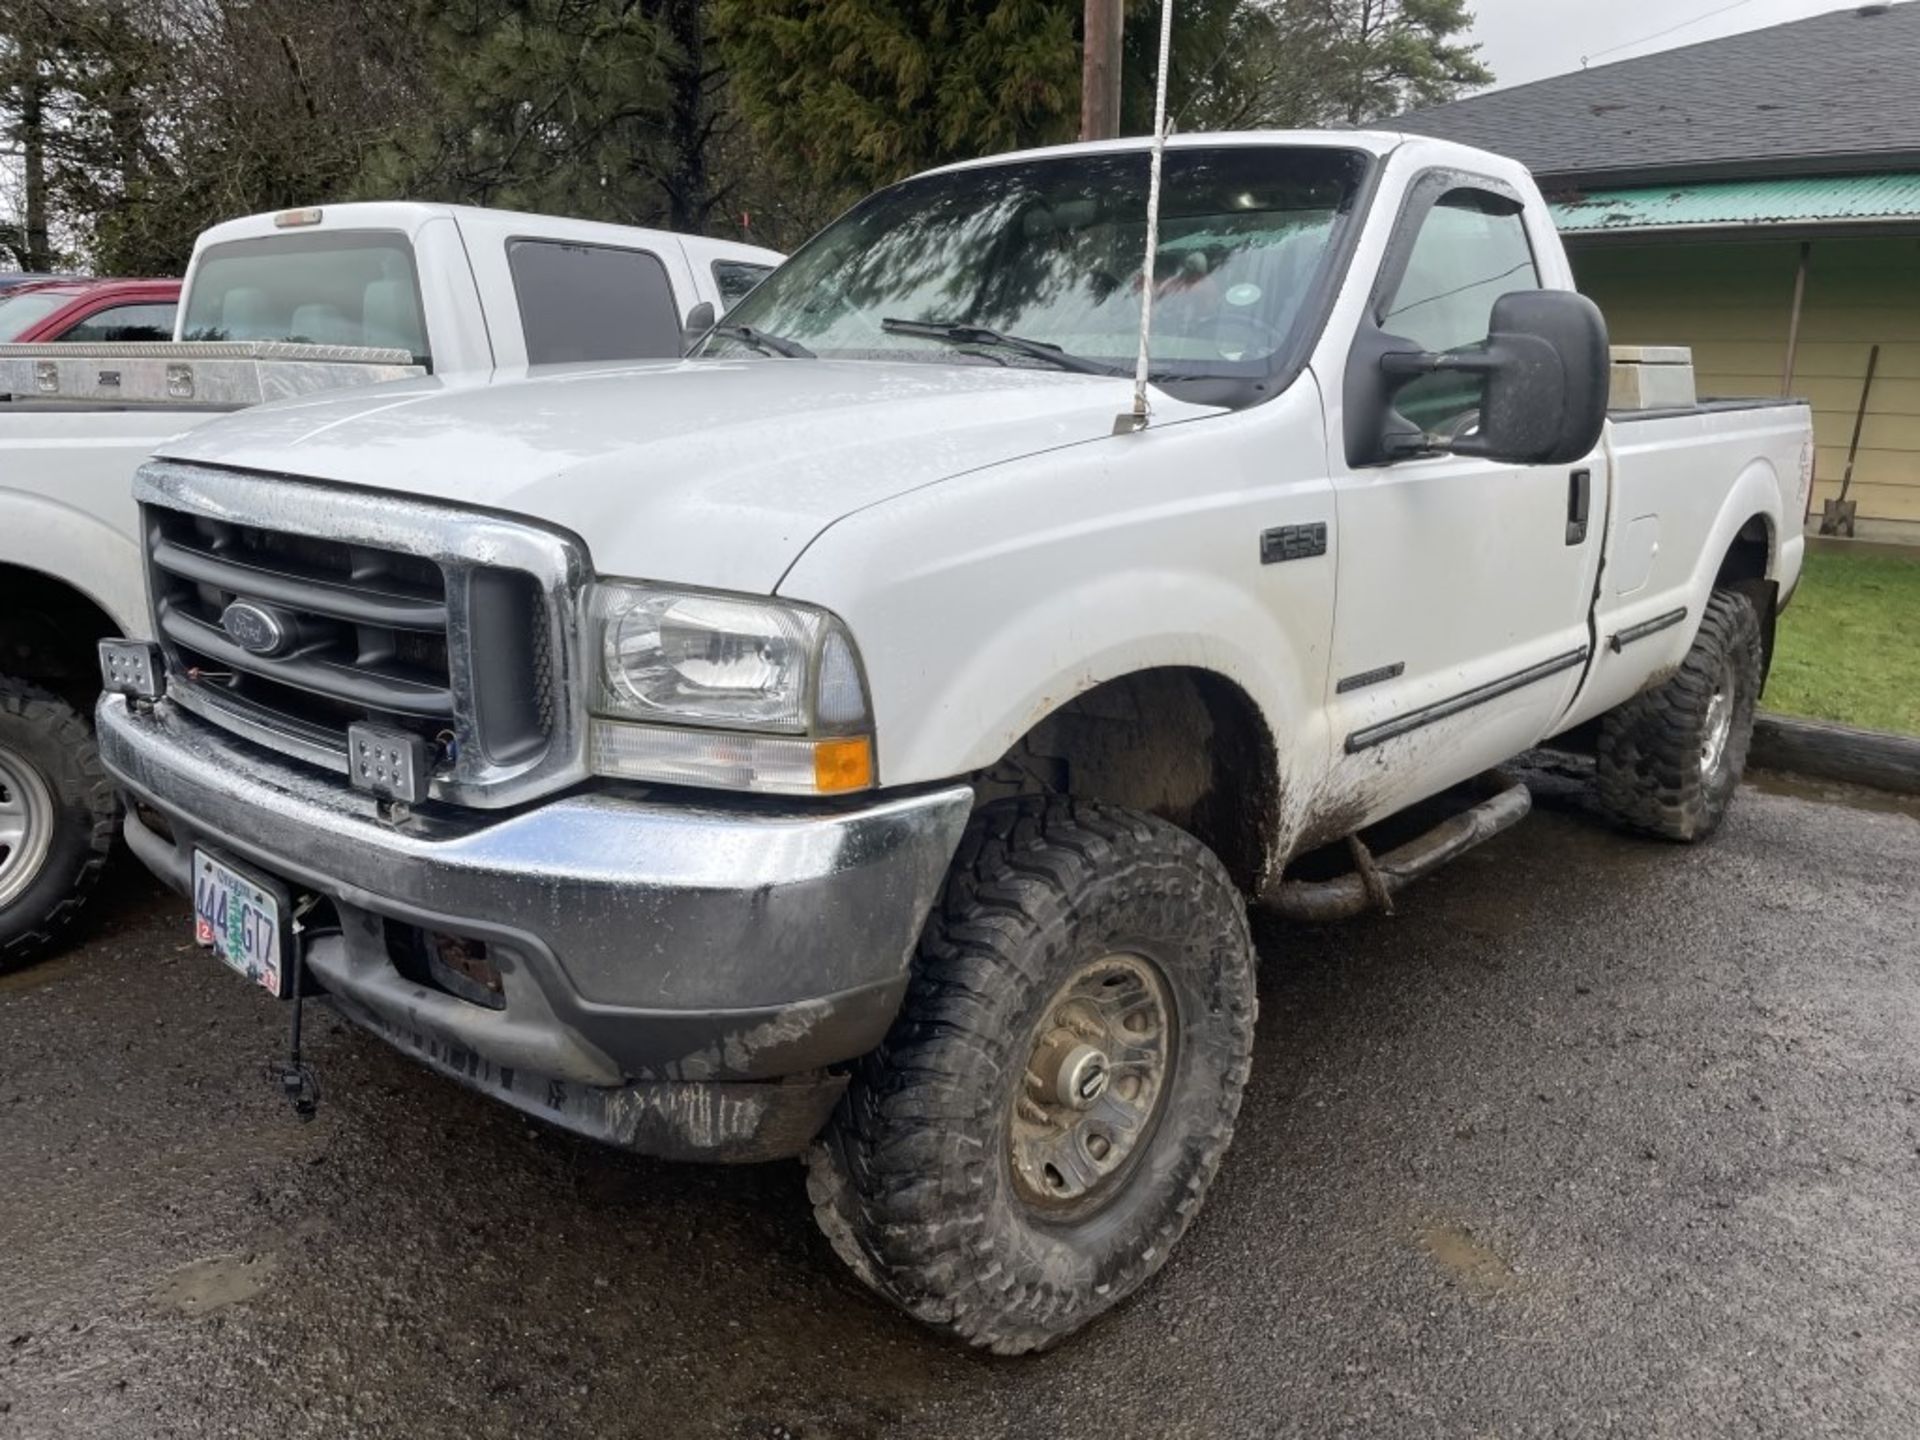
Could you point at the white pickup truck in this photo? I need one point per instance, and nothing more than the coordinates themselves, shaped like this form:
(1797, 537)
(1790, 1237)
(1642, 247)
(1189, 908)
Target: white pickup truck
(863, 739)
(388, 289)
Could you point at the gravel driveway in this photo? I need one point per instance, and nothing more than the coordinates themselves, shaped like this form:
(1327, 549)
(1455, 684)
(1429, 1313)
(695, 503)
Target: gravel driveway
(1596, 1137)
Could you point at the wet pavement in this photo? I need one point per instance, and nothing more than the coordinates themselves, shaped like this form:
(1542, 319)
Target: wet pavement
(1596, 1137)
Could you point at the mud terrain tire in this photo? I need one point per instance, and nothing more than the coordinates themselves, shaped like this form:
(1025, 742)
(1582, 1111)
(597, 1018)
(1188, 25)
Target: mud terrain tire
(1669, 760)
(929, 1181)
(57, 817)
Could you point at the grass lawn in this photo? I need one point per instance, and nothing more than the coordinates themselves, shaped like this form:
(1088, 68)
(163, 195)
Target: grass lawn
(1849, 646)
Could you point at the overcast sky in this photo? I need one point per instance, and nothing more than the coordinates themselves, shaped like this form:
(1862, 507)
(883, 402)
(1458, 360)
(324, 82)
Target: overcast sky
(1524, 40)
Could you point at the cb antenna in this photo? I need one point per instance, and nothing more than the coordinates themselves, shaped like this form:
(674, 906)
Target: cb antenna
(1136, 418)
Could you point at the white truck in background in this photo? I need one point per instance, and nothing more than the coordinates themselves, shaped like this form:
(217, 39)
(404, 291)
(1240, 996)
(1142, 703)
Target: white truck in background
(862, 739)
(366, 292)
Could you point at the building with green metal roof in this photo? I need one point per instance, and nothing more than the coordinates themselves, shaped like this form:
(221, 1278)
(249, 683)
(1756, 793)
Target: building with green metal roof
(1757, 198)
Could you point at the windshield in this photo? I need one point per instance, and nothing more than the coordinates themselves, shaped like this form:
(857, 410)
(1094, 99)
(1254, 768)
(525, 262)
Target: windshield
(331, 288)
(20, 313)
(1051, 251)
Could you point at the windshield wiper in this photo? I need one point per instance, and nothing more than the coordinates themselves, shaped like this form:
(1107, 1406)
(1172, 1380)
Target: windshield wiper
(957, 333)
(764, 342)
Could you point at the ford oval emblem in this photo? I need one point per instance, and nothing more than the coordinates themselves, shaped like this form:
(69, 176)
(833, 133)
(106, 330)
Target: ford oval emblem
(255, 630)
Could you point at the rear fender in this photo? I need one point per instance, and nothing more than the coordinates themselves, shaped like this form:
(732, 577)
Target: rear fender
(75, 549)
(1755, 495)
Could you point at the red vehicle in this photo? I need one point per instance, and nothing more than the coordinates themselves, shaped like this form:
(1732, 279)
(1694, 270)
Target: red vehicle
(75, 310)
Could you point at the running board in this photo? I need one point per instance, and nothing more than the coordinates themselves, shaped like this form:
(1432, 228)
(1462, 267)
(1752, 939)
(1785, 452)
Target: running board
(1376, 880)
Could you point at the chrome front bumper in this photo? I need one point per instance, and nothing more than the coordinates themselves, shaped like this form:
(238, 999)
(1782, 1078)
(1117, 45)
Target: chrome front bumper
(660, 960)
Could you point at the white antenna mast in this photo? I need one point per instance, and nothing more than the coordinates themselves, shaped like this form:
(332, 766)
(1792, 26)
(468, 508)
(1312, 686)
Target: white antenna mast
(1136, 418)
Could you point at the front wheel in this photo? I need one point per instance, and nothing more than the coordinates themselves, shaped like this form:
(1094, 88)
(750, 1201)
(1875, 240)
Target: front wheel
(1669, 760)
(1043, 1121)
(57, 815)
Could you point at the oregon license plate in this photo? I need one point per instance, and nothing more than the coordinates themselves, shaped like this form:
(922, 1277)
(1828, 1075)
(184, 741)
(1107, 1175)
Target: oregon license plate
(243, 920)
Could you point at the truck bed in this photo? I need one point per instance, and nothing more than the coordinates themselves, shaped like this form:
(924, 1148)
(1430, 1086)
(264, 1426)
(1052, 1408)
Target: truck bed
(1718, 406)
(1685, 484)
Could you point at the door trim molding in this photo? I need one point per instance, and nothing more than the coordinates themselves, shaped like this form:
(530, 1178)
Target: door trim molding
(1466, 700)
(1645, 628)
(1371, 677)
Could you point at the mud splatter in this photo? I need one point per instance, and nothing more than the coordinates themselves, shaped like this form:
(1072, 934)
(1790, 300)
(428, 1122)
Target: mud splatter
(214, 1283)
(1475, 1266)
(32, 977)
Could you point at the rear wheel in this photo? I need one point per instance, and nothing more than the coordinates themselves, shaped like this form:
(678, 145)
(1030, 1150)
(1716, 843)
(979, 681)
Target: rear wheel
(57, 815)
(1044, 1119)
(1670, 760)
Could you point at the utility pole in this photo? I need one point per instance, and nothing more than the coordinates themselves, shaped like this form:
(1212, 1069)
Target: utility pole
(1100, 70)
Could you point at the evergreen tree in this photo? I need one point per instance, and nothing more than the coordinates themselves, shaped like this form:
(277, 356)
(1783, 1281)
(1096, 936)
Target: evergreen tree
(131, 125)
(856, 93)
(1220, 75)
(610, 109)
(1263, 64)
(156, 118)
(1387, 56)
(1357, 62)
(532, 105)
(853, 94)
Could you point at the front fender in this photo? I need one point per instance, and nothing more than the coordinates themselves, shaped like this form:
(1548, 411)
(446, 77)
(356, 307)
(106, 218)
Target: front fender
(984, 603)
(1026, 666)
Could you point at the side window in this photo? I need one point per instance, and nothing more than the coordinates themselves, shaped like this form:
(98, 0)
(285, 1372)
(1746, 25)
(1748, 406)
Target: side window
(592, 302)
(122, 323)
(734, 278)
(1472, 249)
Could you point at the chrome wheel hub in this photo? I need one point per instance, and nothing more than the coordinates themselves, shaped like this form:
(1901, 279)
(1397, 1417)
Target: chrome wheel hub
(26, 826)
(1719, 729)
(1096, 1071)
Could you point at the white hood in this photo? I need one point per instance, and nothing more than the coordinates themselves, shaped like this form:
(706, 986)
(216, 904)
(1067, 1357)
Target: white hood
(708, 472)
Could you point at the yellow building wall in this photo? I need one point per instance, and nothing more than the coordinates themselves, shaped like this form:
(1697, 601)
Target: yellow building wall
(1732, 303)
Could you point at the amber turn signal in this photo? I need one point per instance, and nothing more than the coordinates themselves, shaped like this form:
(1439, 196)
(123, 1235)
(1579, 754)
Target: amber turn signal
(840, 765)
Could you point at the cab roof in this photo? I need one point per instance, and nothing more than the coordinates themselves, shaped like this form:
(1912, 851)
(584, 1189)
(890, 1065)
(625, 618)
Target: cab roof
(409, 216)
(81, 287)
(1378, 143)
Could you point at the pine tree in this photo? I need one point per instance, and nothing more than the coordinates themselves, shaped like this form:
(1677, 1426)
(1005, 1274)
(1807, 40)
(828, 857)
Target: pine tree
(1377, 58)
(1261, 64)
(856, 93)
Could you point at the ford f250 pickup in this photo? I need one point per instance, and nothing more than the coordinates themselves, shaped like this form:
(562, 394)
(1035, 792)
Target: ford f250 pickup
(362, 292)
(863, 738)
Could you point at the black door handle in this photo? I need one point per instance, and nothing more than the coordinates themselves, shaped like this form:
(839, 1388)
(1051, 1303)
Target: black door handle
(1579, 505)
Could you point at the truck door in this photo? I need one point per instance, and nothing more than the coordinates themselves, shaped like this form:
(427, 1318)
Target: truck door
(1464, 585)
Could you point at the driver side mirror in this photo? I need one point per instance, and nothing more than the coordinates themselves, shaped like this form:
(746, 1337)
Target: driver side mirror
(700, 320)
(1546, 376)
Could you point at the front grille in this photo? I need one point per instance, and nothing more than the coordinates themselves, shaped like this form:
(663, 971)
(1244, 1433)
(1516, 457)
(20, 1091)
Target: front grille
(453, 625)
(366, 629)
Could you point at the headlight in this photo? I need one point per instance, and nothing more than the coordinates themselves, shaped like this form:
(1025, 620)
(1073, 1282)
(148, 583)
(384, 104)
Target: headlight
(730, 690)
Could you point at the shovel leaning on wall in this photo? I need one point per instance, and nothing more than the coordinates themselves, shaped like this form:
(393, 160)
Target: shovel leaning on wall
(1836, 517)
